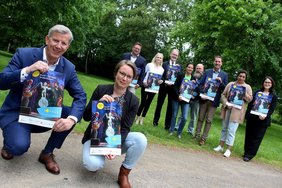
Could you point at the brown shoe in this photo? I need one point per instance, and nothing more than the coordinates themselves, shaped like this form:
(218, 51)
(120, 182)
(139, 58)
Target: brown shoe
(6, 155)
(123, 177)
(202, 142)
(49, 161)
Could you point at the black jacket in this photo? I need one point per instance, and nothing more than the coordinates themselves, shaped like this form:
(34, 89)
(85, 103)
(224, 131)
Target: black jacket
(129, 110)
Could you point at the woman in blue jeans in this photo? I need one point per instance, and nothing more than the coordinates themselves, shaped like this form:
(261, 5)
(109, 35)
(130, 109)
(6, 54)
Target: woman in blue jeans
(133, 143)
(178, 101)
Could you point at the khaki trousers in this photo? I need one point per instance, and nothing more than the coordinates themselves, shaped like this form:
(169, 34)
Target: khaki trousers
(206, 111)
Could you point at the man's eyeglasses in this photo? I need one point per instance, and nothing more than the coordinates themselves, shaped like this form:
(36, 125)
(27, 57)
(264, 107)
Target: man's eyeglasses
(123, 75)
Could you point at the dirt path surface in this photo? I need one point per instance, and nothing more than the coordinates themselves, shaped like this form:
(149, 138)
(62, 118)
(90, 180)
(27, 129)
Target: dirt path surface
(160, 167)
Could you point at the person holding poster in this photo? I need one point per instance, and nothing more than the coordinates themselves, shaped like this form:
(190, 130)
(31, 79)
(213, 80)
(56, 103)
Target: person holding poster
(26, 61)
(233, 115)
(133, 143)
(140, 63)
(257, 125)
(155, 67)
(208, 107)
(166, 89)
(180, 87)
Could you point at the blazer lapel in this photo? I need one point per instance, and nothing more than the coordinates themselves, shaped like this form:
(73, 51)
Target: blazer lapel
(60, 66)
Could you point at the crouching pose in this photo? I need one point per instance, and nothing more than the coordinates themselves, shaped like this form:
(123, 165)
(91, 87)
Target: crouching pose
(133, 143)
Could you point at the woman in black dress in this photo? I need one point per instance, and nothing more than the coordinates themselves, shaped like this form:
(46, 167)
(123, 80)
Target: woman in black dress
(258, 123)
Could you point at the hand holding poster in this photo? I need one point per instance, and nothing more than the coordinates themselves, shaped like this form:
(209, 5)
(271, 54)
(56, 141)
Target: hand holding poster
(153, 85)
(42, 98)
(135, 80)
(187, 89)
(105, 132)
(172, 73)
(209, 89)
(261, 104)
(236, 94)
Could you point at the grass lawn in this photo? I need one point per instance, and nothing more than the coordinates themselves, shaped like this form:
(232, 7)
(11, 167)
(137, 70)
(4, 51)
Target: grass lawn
(270, 151)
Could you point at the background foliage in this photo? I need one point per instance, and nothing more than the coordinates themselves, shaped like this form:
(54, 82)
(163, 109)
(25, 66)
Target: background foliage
(248, 34)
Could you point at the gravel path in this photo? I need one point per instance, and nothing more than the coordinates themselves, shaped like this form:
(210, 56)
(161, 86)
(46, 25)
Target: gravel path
(160, 167)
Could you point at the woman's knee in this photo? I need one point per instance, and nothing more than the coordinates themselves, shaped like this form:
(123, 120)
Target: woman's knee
(92, 163)
(140, 140)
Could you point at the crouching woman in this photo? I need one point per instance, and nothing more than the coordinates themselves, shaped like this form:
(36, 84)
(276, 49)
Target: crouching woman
(133, 143)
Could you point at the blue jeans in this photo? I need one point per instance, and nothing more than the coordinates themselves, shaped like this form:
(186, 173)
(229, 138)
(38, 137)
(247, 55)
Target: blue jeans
(229, 129)
(184, 113)
(134, 147)
(194, 110)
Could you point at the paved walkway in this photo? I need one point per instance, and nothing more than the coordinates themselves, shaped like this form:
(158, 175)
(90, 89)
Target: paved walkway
(160, 167)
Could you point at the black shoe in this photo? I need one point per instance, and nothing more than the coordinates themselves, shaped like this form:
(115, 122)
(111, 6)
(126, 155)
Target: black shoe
(246, 159)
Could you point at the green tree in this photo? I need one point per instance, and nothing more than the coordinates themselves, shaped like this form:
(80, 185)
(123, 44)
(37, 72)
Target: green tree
(246, 33)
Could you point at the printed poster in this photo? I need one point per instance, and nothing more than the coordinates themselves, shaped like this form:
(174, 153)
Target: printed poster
(236, 94)
(135, 80)
(172, 73)
(105, 130)
(42, 98)
(261, 104)
(209, 89)
(153, 82)
(187, 89)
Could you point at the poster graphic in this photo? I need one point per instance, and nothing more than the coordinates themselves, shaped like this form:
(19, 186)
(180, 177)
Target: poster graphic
(187, 89)
(42, 98)
(209, 89)
(105, 130)
(172, 73)
(261, 104)
(236, 94)
(153, 84)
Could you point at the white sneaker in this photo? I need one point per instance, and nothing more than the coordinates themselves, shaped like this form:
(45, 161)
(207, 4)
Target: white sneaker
(218, 148)
(227, 153)
(179, 136)
(141, 120)
(170, 134)
(137, 120)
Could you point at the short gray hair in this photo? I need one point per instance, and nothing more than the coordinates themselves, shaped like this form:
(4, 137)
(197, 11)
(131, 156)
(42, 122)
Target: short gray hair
(60, 29)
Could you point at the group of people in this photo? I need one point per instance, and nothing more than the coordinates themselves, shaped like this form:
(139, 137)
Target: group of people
(201, 109)
(130, 73)
(17, 136)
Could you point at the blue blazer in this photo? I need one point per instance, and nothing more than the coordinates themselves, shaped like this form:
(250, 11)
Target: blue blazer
(224, 77)
(10, 80)
(140, 63)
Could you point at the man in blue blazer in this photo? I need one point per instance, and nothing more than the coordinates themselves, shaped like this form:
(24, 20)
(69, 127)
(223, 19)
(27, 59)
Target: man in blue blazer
(140, 62)
(208, 107)
(27, 60)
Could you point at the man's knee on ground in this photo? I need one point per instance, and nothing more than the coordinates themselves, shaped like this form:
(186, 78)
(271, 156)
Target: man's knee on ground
(18, 148)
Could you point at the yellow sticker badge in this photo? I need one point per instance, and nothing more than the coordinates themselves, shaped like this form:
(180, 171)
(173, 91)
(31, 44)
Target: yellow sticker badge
(234, 86)
(100, 105)
(35, 73)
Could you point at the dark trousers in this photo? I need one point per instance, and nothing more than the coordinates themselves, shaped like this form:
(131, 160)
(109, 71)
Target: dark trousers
(146, 100)
(253, 137)
(164, 90)
(17, 137)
